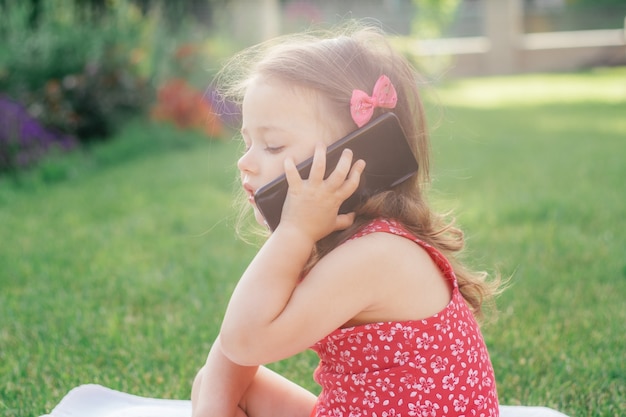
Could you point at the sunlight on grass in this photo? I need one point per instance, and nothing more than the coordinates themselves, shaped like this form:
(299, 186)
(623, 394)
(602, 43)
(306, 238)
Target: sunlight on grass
(117, 268)
(534, 167)
(607, 85)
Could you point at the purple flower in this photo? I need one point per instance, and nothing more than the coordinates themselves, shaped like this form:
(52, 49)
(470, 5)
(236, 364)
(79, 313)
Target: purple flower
(23, 140)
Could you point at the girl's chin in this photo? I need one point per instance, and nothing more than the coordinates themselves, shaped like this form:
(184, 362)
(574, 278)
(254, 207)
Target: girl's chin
(259, 217)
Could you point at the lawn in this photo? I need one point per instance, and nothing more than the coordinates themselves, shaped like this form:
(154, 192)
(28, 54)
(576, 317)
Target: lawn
(116, 265)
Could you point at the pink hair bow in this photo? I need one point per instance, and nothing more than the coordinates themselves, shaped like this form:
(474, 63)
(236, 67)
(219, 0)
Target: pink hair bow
(362, 106)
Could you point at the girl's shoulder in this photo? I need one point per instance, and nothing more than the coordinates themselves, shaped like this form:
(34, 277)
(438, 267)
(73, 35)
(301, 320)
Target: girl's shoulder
(380, 243)
(396, 228)
(402, 276)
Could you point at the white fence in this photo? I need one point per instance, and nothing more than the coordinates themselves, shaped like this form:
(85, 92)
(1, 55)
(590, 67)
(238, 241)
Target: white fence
(535, 52)
(504, 48)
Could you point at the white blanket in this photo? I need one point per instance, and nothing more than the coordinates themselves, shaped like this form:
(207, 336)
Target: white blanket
(97, 401)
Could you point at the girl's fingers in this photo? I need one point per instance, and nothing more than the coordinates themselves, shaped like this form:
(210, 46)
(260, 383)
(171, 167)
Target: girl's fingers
(344, 178)
(291, 173)
(355, 172)
(340, 173)
(343, 221)
(318, 167)
(351, 182)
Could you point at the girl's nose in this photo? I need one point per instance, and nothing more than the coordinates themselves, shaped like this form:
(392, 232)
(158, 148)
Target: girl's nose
(246, 163)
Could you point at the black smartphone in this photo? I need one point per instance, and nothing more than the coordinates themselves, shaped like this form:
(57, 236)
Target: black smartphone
(383, 146)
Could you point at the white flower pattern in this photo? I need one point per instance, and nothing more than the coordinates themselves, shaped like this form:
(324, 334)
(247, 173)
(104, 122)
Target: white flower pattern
(433, 367)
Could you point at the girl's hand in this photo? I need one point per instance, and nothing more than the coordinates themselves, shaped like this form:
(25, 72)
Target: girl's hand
(312, 205)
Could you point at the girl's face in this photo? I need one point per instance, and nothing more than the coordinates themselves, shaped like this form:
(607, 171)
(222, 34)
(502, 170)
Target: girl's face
(281, 120)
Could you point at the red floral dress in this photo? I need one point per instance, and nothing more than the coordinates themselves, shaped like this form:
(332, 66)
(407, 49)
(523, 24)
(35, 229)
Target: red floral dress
(438, 366)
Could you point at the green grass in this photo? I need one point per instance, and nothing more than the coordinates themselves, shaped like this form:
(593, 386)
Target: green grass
(535, 166)
(116, 266)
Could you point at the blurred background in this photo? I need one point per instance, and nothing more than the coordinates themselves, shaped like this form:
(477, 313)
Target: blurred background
(117, 249)
(72, 71)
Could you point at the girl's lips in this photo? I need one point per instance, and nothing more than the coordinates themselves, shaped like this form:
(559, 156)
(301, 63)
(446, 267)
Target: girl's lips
(249, 191)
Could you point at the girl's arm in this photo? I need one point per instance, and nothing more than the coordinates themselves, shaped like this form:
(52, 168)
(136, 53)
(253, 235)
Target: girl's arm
(225, 389)
(275, 313)
(255, 318)
(220, 386)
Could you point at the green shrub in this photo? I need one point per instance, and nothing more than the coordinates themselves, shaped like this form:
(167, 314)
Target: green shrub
(75, 72)
(80, 72)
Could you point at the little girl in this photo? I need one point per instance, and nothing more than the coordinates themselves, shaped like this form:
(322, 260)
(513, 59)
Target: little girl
(377, 293)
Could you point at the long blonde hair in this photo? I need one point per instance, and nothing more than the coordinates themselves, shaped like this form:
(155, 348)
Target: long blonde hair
(334, 63)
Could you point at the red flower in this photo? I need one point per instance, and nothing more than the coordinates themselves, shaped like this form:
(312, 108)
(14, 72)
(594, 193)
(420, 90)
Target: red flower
(180, 103)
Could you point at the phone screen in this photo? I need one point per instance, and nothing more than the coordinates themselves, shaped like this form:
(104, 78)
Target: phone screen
(383, 146)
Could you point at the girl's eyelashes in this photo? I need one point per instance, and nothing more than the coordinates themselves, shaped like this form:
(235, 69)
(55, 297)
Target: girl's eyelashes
(274, 149)
(270, 149)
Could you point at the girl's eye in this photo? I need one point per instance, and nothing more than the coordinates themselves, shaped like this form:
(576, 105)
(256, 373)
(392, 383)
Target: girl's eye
(274, 149)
